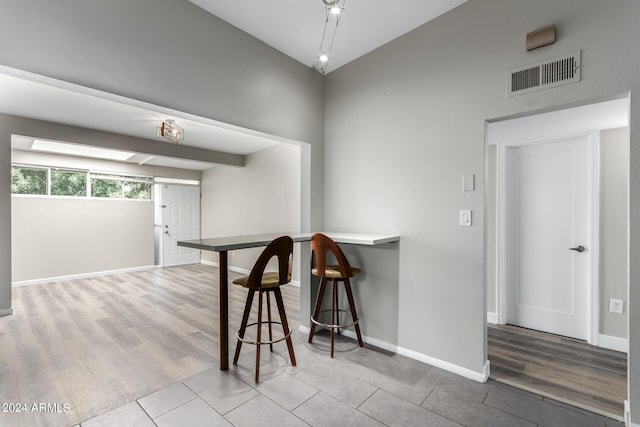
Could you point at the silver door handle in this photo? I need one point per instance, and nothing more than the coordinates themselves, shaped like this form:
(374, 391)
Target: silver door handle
(578, 249)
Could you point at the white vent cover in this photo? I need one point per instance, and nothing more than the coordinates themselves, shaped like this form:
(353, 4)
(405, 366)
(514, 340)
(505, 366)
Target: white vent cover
(545, 74)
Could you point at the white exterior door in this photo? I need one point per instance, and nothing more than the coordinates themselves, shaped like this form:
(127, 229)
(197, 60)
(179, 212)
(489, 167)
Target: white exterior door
(549, 212)
(180, 221)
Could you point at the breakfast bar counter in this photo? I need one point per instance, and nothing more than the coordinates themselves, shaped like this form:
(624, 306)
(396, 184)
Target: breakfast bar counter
(227, 243)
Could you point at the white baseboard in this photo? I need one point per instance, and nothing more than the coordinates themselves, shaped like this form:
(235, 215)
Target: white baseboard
(613, 343)
(6, 312)
(450, 367)
(80, 276)
(486, 371)
(241, 270)
(627, 415)
(492, 318)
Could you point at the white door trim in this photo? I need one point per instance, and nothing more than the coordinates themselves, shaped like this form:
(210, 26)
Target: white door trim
(502, 233)
(192, 254)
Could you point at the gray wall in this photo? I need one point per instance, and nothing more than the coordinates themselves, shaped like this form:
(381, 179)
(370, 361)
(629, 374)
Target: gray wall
(261, 197)
(614, 231)
(5, 221)
(491, 214)
(405, 122)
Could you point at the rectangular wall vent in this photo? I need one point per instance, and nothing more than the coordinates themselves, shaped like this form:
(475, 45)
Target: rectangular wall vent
(545, 74)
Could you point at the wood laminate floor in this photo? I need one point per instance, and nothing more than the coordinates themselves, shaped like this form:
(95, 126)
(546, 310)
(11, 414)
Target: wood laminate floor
(98, 343)
(565, 369)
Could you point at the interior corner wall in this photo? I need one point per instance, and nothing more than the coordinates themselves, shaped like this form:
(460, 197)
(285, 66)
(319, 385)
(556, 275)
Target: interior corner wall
(5, 219)
(404, 123)
(492, 226)
(614, 229)
(261, 197)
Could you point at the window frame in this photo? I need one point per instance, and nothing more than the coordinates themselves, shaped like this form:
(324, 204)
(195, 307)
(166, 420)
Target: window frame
(89, 175)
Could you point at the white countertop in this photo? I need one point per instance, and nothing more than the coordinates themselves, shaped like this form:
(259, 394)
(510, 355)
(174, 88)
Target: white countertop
(228, 243)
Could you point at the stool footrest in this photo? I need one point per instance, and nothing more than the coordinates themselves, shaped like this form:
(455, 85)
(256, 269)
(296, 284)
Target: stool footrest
(246, 341)
(327, 325)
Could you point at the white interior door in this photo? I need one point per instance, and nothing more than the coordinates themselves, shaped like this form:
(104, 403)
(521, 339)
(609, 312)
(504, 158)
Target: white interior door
(548, 213)
(180, 221)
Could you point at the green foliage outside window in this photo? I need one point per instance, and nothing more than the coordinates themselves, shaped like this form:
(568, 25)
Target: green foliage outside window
(33, 180)
(28, 180)
(114, 186)
(137, 190)
(106, 188)
(68, 183)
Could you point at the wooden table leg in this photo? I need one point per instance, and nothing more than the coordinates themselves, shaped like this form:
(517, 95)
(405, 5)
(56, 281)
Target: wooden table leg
(224, 312)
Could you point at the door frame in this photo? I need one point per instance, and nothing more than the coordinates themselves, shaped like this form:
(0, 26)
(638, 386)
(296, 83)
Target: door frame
(159, 209)
(503, 234)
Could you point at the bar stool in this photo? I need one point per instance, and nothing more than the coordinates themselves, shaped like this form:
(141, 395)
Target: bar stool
(321, 245)
(267, 283)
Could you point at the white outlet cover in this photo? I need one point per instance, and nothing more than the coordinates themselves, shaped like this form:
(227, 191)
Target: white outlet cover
(616, 306)
(465, 218)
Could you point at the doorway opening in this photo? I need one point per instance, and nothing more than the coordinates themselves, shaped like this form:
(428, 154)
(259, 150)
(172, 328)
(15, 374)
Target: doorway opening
(557, 251)
(176, 217)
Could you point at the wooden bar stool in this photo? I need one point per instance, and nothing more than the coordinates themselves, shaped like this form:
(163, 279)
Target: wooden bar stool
(267, 283)
(322, 245)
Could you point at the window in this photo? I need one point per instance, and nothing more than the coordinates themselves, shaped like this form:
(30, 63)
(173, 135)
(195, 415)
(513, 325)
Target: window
(73, 183)
(121, 187)
(28, 180)
(68, 183)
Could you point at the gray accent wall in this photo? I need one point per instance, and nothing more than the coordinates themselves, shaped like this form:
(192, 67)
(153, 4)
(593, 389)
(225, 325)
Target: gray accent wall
(404, 123)
(614, 229)
(5, 220)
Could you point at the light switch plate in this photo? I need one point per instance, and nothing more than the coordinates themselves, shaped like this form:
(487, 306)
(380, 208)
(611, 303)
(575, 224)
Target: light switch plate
(468, 182)
(465, 218)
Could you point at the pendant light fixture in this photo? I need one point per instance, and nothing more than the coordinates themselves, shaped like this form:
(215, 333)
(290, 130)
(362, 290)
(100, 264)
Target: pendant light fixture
(333, 11)
(170, 130)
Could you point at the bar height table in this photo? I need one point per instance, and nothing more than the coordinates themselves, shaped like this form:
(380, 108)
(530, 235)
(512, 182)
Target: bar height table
(229, 243)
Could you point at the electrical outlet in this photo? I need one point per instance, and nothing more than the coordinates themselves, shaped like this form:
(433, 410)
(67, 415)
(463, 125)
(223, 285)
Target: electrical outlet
(616, 305)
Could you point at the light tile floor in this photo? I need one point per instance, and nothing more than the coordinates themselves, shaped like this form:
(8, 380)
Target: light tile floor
(359, 387)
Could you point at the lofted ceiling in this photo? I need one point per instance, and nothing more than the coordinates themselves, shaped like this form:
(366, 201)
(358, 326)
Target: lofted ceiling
(295, 27)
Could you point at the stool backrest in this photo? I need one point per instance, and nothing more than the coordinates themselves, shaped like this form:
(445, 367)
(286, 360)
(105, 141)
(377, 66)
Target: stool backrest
(282, 248)
(321, 245)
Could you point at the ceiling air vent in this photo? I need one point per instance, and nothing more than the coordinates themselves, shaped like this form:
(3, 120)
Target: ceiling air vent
(548, 73)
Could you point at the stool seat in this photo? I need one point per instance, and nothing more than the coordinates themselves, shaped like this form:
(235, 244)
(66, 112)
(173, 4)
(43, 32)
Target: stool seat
(270, 279)
(322, 245)
(333, 272)
(266, 283)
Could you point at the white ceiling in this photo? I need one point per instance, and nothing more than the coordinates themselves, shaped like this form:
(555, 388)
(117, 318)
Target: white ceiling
(295, 27)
